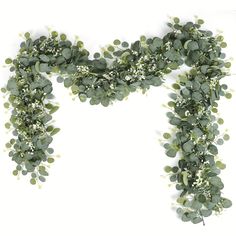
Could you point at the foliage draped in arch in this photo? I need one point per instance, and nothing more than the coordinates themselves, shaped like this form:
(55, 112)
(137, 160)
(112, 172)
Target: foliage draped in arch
(112, 75)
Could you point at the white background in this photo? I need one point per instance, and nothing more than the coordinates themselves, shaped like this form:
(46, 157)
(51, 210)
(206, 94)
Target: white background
(109, 179)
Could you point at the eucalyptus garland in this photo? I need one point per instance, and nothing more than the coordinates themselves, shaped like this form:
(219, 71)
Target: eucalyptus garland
(113, 74)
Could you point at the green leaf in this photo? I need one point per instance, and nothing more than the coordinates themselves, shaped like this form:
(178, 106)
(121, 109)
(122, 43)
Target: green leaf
(197, 133)
(6, 105)
(47, 89)
(185, 178)
(33, 175)
(168, 169)
(44, 58)
(54, 34)
(204, 69)
(42, 179)
(220, 165)
(68, 82)
(185, 218)
(63, 37)
(226, 203)
(228, 95)
(177, 44)
(196, 220)
(100, 64)
(188, 146)
(96, 55)
(220, 121)
(213, 149)
(173, 178)
(71, 69)
(186, 44)
(8, 61)
(216, 181)
(8, 145)
(197, 97)
(50, 150)
(171, 152)
(201, 198)
(171, 104)
(157, 42)
(205, 88)
(33, 181)
(143, 38)
(196, 205)
(50, 160)
(185, 92)
(49, 128)
(226, 137)
(47, 118)
(223, 44)
(29, 167)
(154, 80)
(49, 106)
(43, 172)
(192, 45)
(173, 65)
(60, 60)
(180, 211)
(75, 89)
(27, 35)
(175, 169)
(60, 79)
(176, 20)
(15, 172)
(220, 141)
(166, 135)
(200, 21)
(111, 49)
(116, 42)
(181, 200)
(227, 65)
(11, 84)
(107, 55)
(55, 131)
(206, 213)
(175, 121)
(83, 97)
(37, 66)
(105, 102)
(66, 53)
(124, 44)
(3, 90)
(43, 67)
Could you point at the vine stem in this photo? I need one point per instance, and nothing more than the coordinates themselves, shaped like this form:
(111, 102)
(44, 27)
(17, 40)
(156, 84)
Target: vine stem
(203, 222)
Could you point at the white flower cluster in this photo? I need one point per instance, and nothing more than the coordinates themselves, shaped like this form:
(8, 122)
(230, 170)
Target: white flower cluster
(84, 70)
(201, 183)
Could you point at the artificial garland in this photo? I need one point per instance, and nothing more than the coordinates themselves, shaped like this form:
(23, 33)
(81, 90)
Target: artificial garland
(112, 75)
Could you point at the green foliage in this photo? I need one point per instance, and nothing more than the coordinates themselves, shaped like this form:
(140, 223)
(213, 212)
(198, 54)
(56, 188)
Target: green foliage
(171, 152)
(33, 181)
(166, 135)
(168, 169)
(226, 137)
(8, 61)
(196, 134)
(55, 131)
(122, 68)
(66, 53)
(226, 203)
(188, 146)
